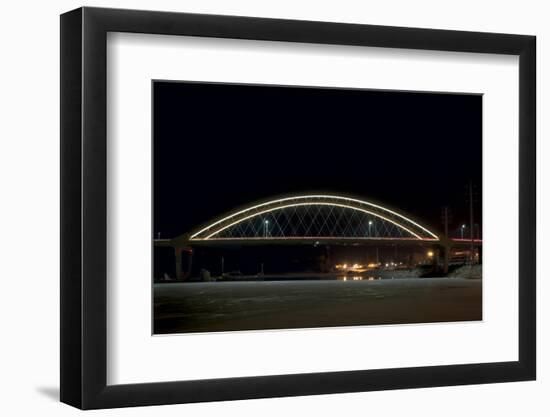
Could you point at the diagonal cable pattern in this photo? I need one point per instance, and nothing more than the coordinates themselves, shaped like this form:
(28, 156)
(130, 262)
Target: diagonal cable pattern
(311, 216)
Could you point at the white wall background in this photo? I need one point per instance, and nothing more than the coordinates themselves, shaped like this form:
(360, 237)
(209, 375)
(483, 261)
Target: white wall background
(29, 206)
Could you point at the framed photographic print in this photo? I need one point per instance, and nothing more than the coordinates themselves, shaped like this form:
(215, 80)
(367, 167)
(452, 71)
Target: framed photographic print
(257, 208)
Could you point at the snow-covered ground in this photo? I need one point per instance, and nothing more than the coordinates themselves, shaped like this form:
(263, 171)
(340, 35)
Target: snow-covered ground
(468, 271)
(226, 306)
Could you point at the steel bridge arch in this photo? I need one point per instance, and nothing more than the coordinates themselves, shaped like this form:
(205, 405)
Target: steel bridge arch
(212, 230)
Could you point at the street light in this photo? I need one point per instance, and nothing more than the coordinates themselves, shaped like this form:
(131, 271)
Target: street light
(266, 225)
(462, 231)
(370, 224)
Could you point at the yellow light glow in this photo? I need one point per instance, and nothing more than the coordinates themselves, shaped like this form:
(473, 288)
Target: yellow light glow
(430, 254)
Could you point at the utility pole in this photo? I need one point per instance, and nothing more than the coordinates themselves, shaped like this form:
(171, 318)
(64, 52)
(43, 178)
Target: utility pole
(471, 224)
(446, 247)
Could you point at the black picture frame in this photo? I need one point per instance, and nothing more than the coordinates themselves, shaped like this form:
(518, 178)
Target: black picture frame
(84, 207)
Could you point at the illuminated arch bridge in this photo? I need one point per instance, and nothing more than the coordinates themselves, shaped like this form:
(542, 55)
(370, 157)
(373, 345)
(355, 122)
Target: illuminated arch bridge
(312, 217)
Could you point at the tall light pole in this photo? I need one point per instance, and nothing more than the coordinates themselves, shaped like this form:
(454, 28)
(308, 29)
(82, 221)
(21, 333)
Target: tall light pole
(462, 231)
(370, 235)
(446, 220)
(266, 224)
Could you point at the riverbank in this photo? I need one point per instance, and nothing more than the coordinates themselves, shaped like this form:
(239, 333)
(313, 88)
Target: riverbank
(468, 272)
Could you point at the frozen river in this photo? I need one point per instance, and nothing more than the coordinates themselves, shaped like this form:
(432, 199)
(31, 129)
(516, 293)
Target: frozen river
(228, 306)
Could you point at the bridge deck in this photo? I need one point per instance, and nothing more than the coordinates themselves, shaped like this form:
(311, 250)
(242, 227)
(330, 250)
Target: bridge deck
(368, 241)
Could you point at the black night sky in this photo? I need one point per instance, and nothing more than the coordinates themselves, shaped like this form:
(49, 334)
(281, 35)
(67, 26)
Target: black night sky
(221, 146)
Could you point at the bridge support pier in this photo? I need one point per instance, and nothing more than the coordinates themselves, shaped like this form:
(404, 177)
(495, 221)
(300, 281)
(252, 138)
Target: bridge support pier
(436, 253)
(180, 274)
(445, 248)
(446, 254)
(440, 260)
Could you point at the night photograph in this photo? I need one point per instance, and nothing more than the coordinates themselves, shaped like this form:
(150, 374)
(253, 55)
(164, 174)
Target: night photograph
(285, 207)
(316, 207)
